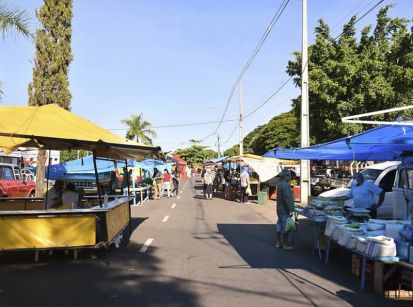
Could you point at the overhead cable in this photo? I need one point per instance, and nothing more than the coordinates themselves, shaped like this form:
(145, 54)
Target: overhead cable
(252, 57)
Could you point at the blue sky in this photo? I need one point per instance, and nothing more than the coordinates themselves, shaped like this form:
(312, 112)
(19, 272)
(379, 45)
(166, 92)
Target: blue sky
(176, 61)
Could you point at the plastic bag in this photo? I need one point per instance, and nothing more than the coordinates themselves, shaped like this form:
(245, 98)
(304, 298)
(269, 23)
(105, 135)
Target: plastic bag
(289, 224)
(248, 190)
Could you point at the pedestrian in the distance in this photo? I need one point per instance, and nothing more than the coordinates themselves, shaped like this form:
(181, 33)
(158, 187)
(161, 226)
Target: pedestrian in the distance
(285, 209)
(244, 182)
(209, 181)
(167, 178)
(175, 181)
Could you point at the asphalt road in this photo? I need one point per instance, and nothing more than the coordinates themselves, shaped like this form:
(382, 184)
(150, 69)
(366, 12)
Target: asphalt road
(189, 252)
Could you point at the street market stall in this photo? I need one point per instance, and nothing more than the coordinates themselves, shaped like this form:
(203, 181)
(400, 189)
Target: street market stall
(51, 127)
(386, 246)
(265, 168)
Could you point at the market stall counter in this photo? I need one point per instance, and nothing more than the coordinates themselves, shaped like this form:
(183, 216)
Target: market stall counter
(63, 228)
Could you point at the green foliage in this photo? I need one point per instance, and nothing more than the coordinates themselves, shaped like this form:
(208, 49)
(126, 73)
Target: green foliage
(69, 155)
(233, 151)
(353, 76)
(139, 129)
(281, 131)
(13, 19)
(196, 154)
(53, 55)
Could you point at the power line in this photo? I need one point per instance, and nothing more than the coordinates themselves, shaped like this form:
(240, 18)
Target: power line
(269, 98)
(360, 18)
(232, 133)
(179, 125)
(289, 79)
(252, 57)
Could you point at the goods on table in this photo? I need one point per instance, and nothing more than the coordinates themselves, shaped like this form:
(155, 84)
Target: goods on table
(380, 246)
(332, 222)
(361, 244)
(393, 229)
(346, 232)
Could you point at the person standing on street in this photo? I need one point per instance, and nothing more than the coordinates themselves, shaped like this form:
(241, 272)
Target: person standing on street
(209, 181)
(244, 182)
(158, 177)
(167, 178)
(175, 181)
(285, 209)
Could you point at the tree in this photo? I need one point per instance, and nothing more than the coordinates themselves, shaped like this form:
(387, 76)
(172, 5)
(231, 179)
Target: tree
(13, 19)
(353, 76)
(139, 129)
(51, 64)
(232, 151)
(196, 154)
(281, 131)
(69, 155)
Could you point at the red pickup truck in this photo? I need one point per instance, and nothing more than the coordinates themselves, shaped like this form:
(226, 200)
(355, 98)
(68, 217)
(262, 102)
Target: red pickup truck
(12, 184)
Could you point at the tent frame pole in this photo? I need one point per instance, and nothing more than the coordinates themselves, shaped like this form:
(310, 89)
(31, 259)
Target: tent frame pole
(47, 179)
(97, 178)
(126, 176)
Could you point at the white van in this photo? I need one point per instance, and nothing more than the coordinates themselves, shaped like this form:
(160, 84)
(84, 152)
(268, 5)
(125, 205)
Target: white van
(382, 175)
(403, 192)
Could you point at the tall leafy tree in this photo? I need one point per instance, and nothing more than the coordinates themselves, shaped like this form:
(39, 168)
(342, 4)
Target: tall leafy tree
(51, 64)
(354, 75)
(13, 19)
(196, 154)
(139, 129)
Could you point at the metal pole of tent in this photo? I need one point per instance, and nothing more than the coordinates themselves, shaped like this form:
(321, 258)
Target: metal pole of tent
(47, 180)
(127, 183)
(97, 178)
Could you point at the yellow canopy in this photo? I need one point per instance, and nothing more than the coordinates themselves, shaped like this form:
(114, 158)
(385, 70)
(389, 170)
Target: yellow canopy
(239, 158)
(52, 127)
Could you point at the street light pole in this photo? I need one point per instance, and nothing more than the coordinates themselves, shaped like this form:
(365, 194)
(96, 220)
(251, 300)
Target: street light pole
(305, 125)
(241, 123)
(219, 147)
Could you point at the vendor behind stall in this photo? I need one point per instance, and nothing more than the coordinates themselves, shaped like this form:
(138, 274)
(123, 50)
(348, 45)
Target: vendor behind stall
(54, 195)
(363, 194)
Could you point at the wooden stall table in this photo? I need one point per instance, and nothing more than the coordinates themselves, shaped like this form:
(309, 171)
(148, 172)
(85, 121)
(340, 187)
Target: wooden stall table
(36, 230)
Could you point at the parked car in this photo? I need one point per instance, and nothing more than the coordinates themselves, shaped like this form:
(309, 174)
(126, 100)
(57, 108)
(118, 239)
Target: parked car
(328, 178)
(382, 175)
(13, 184)
(87, 182)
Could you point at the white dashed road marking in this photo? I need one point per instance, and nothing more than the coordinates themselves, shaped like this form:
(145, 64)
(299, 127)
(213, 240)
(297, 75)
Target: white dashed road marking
(145, 246)
(173, 206)
(165, 219)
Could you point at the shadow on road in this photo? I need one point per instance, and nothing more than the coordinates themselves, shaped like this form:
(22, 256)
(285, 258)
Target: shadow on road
(132, 279)
(255, 244)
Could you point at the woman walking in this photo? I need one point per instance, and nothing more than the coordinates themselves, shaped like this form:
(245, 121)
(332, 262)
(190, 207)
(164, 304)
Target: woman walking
(175, 181)
(167, 182)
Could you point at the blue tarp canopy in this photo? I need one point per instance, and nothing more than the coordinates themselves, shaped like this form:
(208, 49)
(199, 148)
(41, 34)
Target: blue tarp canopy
(83, 166)
(385, 143)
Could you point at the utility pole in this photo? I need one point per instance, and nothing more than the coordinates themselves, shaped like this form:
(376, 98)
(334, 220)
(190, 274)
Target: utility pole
(241, 123)
(305, 125)
(219, 146)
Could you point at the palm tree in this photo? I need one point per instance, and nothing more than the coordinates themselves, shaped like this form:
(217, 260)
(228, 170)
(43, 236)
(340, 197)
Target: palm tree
(13, 19)
(139, 129)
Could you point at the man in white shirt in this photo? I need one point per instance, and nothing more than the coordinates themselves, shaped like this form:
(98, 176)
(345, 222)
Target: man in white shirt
(244, 182)
(54, 195)
(70, 197)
